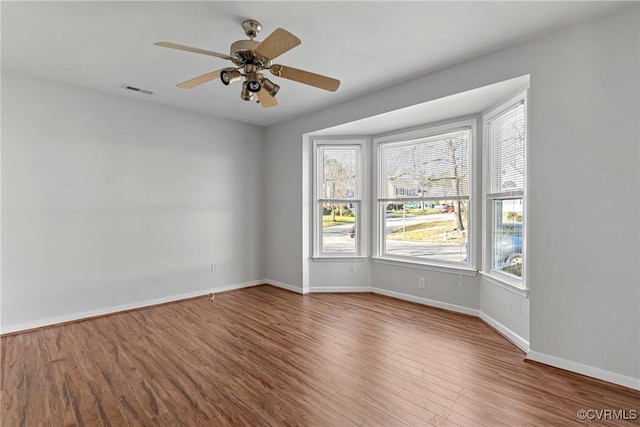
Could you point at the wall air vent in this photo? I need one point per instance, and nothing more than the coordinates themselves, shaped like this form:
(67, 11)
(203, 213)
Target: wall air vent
(137, 89)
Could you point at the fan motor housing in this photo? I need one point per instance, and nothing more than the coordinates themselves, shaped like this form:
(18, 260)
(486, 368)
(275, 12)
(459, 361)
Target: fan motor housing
(243, 49)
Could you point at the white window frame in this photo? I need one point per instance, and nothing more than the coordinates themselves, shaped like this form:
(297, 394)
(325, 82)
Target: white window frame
(509, 281)
(379, 180)
(360, 199)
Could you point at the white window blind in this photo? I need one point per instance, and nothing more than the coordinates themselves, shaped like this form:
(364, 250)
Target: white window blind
(506, 140)
(429, 168)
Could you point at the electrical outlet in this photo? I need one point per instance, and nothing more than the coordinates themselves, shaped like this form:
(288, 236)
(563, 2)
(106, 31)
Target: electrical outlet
(214, 267)
(421, 283)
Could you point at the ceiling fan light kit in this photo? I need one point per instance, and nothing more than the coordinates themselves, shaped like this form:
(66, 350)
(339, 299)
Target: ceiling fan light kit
(246, 94)
(270, 86)
(251, 58)
(230, 75)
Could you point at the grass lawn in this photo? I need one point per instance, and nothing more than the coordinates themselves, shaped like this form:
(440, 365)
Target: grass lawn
(413, 212)
(432, 231)
(327, 221)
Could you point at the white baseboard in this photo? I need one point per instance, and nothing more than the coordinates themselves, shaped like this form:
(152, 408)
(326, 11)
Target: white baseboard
(427, 301)
(283, 286)
(236, 286)
(339, 289)
(587, 370)
(7, 329)
(516, 339)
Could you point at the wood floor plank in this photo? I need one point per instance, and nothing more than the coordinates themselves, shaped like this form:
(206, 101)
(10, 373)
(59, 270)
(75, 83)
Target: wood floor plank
(58, 360)
(438, 407)
(375, 414)
(35, 379)
(13, 396)
(438, 421)
(263, 356)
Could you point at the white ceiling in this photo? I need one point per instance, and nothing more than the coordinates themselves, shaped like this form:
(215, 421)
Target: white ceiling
(463, 104)
(367, 45)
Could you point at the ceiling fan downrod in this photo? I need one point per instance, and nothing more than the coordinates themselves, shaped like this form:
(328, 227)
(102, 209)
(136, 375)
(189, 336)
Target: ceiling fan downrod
(251, 28)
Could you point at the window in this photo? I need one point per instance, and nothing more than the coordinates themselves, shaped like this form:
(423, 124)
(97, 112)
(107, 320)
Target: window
(505, 138)
(423, 195)
(338, 194)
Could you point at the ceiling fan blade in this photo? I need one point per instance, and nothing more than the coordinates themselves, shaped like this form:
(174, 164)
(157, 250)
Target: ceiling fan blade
(266, 100)
(199, 80)
(301, 76)
(192, 49)
(277, 43)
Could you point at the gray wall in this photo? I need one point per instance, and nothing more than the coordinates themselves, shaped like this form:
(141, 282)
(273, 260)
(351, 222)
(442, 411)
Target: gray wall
(109, 202)
(584, 182)
(583, 250)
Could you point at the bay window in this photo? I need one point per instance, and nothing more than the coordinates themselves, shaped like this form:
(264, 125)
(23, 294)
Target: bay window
(417, 205)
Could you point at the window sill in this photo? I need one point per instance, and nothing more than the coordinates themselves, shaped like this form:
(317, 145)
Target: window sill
(332, 258)
(505, 284)
(450, 269)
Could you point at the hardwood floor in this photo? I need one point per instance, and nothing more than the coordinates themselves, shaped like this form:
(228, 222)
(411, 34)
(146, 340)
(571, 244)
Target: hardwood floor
(265, 356)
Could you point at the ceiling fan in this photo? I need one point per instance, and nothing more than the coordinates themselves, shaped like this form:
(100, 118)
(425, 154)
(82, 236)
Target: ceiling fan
(250, 58)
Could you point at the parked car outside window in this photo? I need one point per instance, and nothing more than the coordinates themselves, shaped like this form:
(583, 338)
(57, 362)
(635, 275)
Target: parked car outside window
(509, 245)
